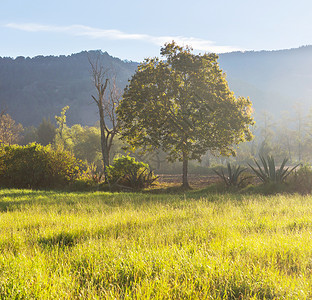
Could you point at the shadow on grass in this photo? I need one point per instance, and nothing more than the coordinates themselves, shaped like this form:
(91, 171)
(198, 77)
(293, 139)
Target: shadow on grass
(123, 229)
(70, 239)
(13, 193)
(62, 240)
(11, 200)
(167, 190)
(214, 188)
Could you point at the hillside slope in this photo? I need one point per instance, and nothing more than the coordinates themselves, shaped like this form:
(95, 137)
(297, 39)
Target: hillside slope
(32, 88)
(274, 80)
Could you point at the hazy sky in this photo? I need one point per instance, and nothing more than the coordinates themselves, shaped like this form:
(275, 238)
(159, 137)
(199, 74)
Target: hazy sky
(135, 29)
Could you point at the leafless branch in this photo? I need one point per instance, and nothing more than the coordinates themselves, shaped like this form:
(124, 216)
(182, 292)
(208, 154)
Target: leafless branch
(107, 99)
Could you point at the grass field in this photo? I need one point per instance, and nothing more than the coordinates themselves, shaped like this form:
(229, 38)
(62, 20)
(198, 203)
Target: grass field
(196, 245)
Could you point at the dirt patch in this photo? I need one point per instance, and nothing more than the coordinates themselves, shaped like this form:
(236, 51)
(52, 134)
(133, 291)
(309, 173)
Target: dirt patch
(196, 181)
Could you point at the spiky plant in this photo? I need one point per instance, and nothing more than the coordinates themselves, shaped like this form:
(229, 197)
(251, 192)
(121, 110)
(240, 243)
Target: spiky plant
(139, 179)
(268, 172)
(233, 178)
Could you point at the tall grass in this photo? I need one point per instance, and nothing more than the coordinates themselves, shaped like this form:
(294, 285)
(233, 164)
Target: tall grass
(139, 246)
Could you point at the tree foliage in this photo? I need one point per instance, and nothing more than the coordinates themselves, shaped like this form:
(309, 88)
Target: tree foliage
(46, 132)
(30, 135)
(183, 105)
(10, 131)
(62, 135)
(86, 143)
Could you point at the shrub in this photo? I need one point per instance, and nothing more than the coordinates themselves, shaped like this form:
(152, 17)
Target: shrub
(37, 166)
(301, 180)
(126, 172)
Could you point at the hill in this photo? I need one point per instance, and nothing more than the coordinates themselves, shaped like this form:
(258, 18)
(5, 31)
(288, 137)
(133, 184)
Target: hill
(274, 80)
(32, 88)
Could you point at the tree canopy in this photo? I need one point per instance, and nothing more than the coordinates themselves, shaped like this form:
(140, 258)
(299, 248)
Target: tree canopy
(46, 132)
(183, 105)
(10, 131)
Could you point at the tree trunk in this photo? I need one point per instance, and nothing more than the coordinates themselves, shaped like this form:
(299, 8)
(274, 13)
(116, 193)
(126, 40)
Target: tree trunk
(185, 183)
(104, 148)
(106, 105)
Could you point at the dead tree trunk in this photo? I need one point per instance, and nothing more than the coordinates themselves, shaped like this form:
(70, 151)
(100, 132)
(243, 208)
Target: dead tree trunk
(107, 99)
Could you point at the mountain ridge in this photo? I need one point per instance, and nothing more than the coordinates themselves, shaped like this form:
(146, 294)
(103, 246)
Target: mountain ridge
(37, 87)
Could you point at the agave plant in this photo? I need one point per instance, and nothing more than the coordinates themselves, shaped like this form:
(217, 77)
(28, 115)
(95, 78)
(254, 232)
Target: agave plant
(233, 177)
(138, 179)
(269, 173)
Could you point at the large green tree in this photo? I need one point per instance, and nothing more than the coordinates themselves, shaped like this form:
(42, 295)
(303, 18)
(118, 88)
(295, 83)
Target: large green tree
(183, 105)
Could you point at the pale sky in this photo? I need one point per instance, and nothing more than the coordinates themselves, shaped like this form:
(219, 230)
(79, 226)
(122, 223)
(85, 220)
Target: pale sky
(136, 29)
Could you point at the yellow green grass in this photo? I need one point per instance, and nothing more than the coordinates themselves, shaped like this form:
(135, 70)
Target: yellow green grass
(140, 246)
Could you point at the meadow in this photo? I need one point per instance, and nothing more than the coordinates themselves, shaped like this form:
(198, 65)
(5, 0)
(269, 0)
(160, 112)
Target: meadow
(192, 245)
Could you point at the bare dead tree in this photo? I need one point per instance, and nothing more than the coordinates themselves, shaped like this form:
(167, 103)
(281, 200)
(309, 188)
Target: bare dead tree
(107, 99)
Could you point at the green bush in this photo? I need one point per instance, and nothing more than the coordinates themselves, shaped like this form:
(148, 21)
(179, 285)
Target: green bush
(37, 166)
(126, 172)
(301, 180)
